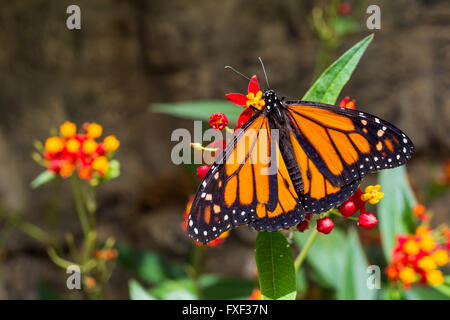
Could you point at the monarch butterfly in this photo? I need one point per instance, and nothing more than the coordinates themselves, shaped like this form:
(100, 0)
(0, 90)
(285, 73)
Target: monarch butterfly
(321, 155)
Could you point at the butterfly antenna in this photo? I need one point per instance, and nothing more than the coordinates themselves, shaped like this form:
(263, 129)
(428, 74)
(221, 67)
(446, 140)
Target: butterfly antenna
(264, 70)
(239, 73)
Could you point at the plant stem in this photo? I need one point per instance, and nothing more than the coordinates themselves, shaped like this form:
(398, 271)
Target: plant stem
(302, 255)
(78, 197)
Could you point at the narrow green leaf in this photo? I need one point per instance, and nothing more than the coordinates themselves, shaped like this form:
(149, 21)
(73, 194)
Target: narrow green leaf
(275, 265)
(199, 110)
(149, 266)
(424, 293)
(326, 89)
(394, 210)
(353, 280)
(137, 292)
(42, 178)
(326, 255)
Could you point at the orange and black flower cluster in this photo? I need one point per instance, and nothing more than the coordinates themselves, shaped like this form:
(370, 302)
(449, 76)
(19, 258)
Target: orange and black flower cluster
(417, 257)
(71, 151)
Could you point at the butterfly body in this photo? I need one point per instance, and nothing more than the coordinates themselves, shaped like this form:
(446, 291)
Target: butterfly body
(290, 158)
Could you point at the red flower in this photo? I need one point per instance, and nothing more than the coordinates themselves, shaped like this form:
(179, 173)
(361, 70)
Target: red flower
(345, 8)
(325, 225)
(252, 100)
(218, 121)
(367, 220)
(302, 226)
(353, 204)
(347, 103)
(202, 171)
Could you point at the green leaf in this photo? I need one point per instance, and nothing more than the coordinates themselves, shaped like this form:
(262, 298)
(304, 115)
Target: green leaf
(149, 266)
(326, 89)
(183, 289)
(275, 265)
(199, 110)
(46, 292)
(424, 293)
(354, 276)
(137, 292)
(326, 255)
(395, 209)
(42, 178)
(218, 288)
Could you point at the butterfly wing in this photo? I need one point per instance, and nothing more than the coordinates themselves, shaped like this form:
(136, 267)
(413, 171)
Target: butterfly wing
(240, 189)
(346, 144)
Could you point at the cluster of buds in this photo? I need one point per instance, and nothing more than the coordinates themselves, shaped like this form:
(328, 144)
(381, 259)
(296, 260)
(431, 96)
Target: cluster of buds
(416, 258)
(71, 151)
(357, 202)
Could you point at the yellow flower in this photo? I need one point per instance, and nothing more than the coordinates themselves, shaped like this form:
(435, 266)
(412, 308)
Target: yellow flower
(427, 243)
(255, 101)
(94, 130)
(440, 257)
(407, 275)
(100, 164)
(426, 263)
(435, 277)
(68, 129)
(89, 146)
(73, 145)
(411, 247)
(54, 144)
(422, 230)
(372, 194)
(111, 143)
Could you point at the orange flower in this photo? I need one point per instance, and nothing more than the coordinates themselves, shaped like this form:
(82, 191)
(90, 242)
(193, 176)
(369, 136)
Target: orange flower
(419, 209)
(411, 247)
(85, 172)
(440, 257)
(422, 230)
(100, 164)
(73, 145)
(435, 277)
(427, 243)
(426, 263)
(94, 130)
(256, 295)
(90, 282)
(54, 144)
(68, 129)
(89, 146)
(407, 275)
(67, 169)
(111, 143)
(106, 254)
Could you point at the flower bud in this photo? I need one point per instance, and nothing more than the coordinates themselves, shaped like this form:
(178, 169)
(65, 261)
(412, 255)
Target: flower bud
(325, 225)
(347, 209)
(367, 220)
(202, 171)
(302, 226)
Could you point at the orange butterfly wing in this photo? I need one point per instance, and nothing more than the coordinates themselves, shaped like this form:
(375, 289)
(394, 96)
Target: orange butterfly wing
(239, 188)
(335, 147)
